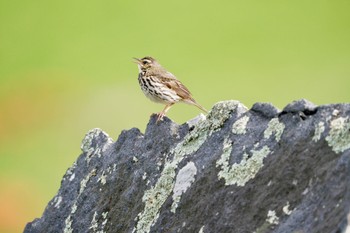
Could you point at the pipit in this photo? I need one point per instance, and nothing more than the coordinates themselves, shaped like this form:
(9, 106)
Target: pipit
(161, 86)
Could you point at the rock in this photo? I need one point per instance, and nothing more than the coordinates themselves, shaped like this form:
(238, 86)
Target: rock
(237, 170)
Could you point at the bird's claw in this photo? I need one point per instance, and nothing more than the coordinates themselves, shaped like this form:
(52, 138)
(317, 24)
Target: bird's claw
(160, 116)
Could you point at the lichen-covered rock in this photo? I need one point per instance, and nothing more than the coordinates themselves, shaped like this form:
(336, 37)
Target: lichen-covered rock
(237, 170)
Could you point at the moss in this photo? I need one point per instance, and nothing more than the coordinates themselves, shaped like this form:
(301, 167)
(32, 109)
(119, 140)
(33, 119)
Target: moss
(339, 134)
(239, 127)
(274, 128)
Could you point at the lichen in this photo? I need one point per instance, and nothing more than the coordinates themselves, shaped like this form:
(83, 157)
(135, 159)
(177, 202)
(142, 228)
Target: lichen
(339, 134)
(102, 178)
(221, 112)
(184, 179)
(70, 172)
(68, 221)
(68, 225)
(240, 173)
(319, 129)
(144, 176)
(104, 218)
(272, 217)
(155, 197)
(286, 209)
(57, 201)
(239, 127)
(88, 147)
(94, 224)
(71, 178)
(201, 230)
(87, 143)
(274, 127)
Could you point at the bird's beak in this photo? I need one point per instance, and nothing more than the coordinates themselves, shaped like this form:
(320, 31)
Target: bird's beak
(137, 61)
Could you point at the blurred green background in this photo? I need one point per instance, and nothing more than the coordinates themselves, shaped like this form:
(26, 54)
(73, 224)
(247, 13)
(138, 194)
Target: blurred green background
(66, 67)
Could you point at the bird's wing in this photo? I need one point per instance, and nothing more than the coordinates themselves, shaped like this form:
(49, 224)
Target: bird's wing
(177, 86)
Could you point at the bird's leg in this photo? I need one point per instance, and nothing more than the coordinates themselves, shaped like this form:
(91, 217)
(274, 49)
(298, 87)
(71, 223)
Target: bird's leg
(162, 113)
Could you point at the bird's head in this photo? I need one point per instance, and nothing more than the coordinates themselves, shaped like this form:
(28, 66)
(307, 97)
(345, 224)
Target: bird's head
(146, 63)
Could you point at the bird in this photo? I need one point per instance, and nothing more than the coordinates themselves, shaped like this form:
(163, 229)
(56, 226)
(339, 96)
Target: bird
(161, 86)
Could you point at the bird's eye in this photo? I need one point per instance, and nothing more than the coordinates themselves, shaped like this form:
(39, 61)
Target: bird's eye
(146, 61)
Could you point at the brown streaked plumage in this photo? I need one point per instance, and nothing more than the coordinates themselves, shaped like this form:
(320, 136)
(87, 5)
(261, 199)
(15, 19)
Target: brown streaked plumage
(161, 86)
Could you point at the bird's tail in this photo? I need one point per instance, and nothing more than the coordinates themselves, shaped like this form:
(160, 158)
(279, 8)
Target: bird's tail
(193, 102)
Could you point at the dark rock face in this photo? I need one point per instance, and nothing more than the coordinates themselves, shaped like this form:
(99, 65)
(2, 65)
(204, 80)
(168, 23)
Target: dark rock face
(236, 170)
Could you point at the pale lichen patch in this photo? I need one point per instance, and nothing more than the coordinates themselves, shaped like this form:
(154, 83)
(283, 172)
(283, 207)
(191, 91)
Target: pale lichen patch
(84, 181)
(339, 134)
(94, 224)
(144, 176)
(272, 217)
(74, 208)
(239, 127)
(286, 209)
(274, 127)
(221, 112)
(71, 178)
(347, 229)
(240, 173)
(57, 200)
(68, 225)
(319, 129)
(104, 217)
(68, 221)
(155, 197)
(335, 112)
(184, 179)
(88, 147)
(70, 172)
(103, 178)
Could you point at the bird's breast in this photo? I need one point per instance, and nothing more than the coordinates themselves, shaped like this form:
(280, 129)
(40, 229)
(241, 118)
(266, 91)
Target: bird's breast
(157, 91)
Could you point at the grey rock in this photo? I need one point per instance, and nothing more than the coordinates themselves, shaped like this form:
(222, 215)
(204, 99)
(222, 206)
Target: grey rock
(237, 170)
(266, 109)
(302, 107)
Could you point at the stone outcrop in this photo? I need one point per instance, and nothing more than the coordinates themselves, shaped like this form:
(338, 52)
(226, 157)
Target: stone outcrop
(235, 170)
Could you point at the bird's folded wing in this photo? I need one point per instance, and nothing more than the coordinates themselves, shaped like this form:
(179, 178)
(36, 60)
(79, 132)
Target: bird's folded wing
(177, 86)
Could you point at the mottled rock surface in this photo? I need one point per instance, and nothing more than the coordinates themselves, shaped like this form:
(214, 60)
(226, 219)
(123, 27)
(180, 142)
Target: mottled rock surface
(237, 170)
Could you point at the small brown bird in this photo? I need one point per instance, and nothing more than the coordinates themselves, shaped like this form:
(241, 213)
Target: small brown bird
(161, 86)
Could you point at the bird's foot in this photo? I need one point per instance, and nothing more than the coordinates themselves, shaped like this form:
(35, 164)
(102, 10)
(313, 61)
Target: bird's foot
(160, 116)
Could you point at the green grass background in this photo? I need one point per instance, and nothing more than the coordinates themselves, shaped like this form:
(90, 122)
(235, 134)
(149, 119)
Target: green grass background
(66, 67)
